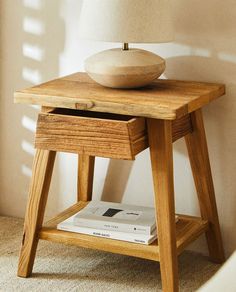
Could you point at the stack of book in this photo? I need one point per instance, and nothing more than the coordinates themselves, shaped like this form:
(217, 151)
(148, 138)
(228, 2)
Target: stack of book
(115, 221)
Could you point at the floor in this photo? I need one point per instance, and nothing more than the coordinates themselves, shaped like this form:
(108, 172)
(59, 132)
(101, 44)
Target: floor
(66, 268)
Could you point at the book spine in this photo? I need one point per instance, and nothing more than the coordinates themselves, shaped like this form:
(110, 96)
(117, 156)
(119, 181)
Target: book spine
(129, 228)
(106, 234)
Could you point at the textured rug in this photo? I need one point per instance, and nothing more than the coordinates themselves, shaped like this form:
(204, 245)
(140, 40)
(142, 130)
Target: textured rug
(66, 268)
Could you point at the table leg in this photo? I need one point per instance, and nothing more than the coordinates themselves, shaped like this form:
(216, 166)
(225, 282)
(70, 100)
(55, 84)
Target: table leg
(160, 142)
(199, 159)
(85, 177)
(38, 193)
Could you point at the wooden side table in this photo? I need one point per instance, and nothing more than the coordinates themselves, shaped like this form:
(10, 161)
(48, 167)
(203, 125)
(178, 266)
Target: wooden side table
(82, 117)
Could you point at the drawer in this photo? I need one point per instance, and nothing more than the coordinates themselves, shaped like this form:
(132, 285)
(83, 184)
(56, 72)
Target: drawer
(91, 133)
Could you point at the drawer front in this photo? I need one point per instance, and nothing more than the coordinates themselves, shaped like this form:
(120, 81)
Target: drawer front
(95, 135)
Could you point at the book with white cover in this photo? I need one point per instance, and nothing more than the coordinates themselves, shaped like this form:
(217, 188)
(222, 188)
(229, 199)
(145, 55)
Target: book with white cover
(117, 217)
(68, 225)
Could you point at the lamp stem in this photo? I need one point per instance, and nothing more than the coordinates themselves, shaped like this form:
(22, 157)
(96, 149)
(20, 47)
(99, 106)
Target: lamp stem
(125, 47)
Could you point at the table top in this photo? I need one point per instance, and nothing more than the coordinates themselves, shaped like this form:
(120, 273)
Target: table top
(163, 99)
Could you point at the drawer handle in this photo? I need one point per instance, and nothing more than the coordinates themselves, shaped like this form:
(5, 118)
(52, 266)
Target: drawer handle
(84, 104)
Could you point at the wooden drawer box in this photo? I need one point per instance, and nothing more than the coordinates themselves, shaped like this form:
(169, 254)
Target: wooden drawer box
(95, 134)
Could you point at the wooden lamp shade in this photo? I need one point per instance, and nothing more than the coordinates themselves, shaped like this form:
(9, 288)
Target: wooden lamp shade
(126, 21)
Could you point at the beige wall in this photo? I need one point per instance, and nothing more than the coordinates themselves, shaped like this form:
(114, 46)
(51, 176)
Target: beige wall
(40, 41)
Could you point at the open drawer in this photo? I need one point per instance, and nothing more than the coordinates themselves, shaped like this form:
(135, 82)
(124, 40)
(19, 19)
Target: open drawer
(91, 133)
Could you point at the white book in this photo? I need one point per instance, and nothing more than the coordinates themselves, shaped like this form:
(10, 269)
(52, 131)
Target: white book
(117, 217)
(68, 225)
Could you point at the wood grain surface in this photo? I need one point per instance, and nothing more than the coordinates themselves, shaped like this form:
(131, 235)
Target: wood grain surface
(85, 177)
(161, 153)
(112, 137)
(199, 159)
(163, 99)
(38, 193)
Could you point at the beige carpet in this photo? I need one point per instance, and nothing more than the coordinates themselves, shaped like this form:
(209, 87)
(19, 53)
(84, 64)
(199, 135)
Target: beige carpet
(65, 268)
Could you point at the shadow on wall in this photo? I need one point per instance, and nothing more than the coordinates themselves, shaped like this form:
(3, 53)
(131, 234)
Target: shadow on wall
(204, 50)
(31, 57)
(116, 180)
(42, 26)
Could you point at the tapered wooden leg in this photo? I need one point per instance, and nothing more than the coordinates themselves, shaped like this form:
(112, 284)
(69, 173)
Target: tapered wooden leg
(38, 193)
(160, 142)
(199, 159)
(85, 177)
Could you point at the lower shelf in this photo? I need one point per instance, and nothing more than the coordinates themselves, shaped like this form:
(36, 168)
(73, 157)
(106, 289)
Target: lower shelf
(188, 228)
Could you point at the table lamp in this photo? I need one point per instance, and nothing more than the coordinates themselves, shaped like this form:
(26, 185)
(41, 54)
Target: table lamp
(126, 21)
